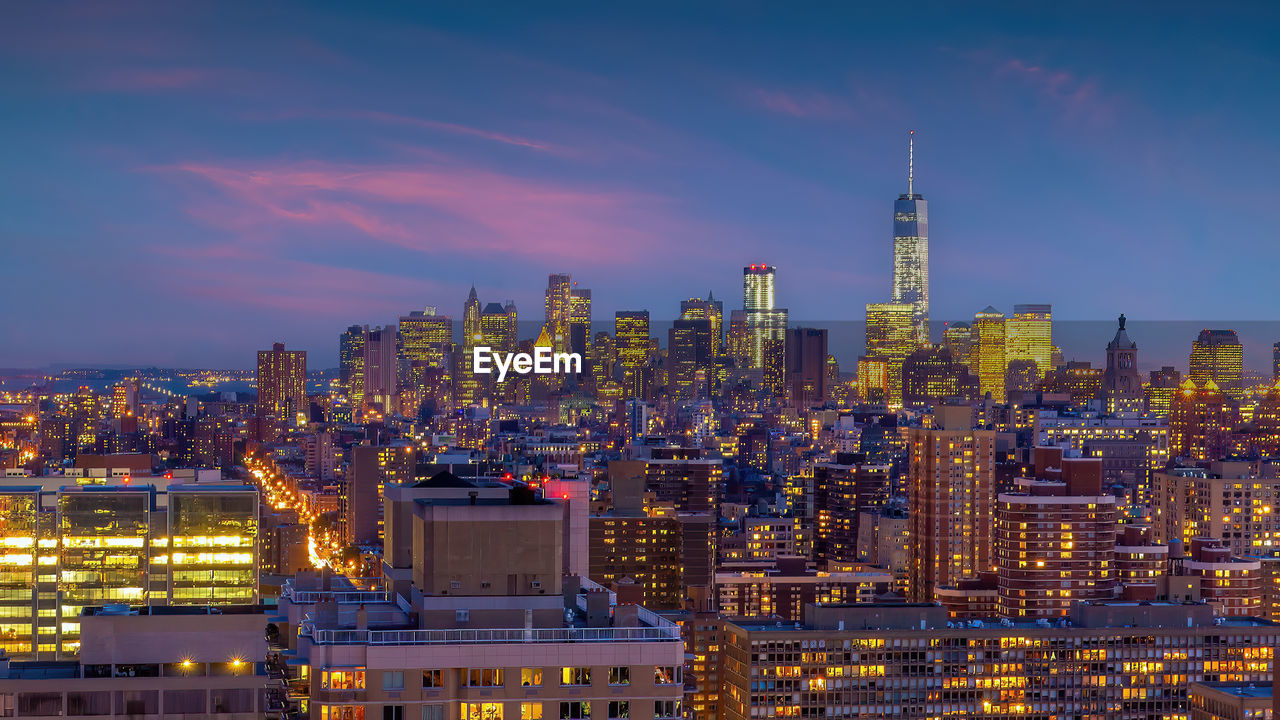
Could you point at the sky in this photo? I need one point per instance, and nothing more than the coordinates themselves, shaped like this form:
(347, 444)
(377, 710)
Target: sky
(185, 183)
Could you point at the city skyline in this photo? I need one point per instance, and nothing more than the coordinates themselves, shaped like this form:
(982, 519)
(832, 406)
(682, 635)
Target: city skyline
(214, 199)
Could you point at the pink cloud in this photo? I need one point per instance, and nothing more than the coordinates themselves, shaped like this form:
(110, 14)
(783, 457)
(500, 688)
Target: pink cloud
(809, 104)
(455, 128)
(437, 207)
(152, 79)
(1075, 95)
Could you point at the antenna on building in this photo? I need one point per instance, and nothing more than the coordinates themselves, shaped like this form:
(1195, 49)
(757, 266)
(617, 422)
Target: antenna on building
(911, 160)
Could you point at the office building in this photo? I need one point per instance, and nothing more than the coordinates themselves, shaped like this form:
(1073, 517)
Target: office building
(987, 352)
(891, 337)
(806, 351)
(712, 311)
(579, 320)
(631, 334)
(426, 338)
(351, 365)
(471, 313)
(958, 339)
(1119, 662)
(764, 327)
(1029, 336)
(690, 358)
(133, 543)
(911, 252)
(1161, 387)
(558, 305)
(1217, 356)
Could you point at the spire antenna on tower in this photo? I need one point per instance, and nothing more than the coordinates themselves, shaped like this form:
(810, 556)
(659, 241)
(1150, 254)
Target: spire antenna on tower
(911, 160)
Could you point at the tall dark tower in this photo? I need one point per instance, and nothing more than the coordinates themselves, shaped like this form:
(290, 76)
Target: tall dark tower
(911, 250)
(1121, 384)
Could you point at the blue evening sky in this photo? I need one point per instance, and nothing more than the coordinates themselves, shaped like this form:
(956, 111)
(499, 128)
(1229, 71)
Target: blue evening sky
(185, 183)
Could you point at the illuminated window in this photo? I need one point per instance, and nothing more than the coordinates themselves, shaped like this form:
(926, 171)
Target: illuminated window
(481, 711)
(530, 677)
(666, 675)
(575, 676)
(484, 677)
(619, 676)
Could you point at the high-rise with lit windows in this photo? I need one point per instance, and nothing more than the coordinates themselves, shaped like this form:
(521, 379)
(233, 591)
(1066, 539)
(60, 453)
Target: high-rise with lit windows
(426, 337)
(911, 251)
(1217, 355)
(1029, 336)
(559, 310)
(987, 351)
(132, 543)
(1199, 422)
(952, 495)
(891, 337)
(1055, 538)
(765, 325)
(282, 383)
(631, 333)
(351, 364)
(579, 320)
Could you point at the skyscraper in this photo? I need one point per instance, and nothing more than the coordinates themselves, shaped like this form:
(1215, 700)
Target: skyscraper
(559, 308)
(282, 383)
(351, 364)
(690, 360)
(631, 330)
(495, 328)
(988, 352)
(807, 366)
(891, 337)
(1199, 421)
(470, 322)
(911, 250)
(579, 320)
(426, 337)
(952, 495)
(1275, 362)
(958, 338)
(711, 310)
(766, 325)
(1218, 356)
(1029, 336)
(380, 367)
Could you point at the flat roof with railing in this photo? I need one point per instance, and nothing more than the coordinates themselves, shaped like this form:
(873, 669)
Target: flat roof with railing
(664, 633)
